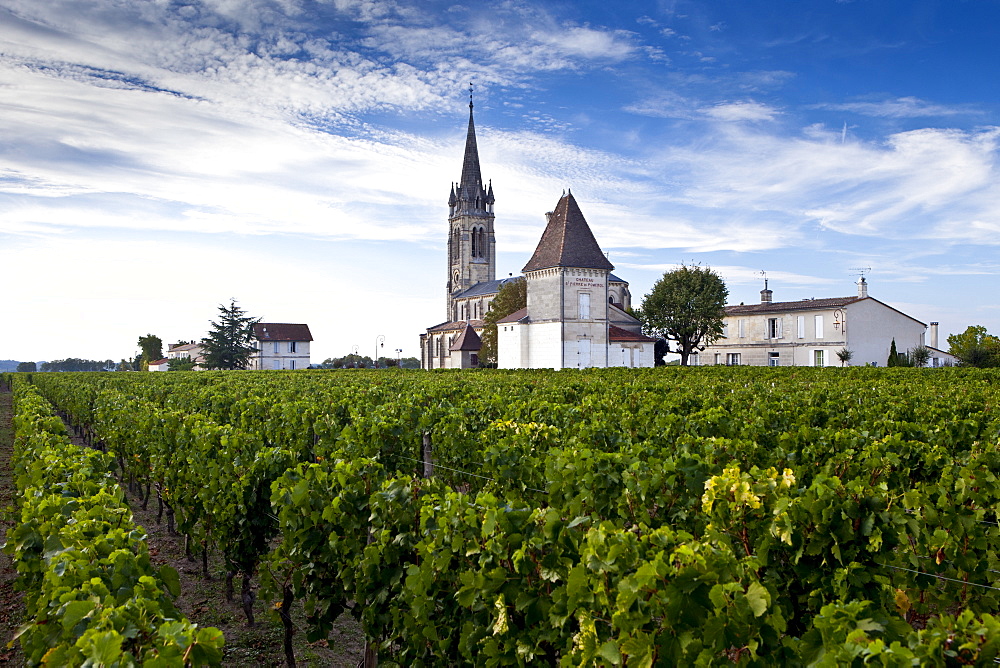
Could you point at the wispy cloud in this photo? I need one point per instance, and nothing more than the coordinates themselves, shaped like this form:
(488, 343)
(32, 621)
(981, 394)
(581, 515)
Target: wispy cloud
(903, 107)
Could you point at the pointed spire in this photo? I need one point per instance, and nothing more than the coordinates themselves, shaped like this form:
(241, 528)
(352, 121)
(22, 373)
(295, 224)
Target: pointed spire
(567, 241)
(472, 179)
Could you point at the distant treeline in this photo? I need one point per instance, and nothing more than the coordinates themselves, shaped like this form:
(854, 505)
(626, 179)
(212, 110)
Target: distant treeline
(76, 364)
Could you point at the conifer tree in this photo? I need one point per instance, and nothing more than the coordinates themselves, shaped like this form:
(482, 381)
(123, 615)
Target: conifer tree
(893, 355)
(229, 344)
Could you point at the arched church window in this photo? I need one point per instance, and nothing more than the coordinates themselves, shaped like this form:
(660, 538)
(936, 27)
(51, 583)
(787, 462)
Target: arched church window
(611, 299)
(475, 243)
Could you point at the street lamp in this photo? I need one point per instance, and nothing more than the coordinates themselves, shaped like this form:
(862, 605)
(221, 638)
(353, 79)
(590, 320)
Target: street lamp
(379, 343)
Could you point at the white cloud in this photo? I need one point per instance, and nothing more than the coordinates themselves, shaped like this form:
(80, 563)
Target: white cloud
(742, 111)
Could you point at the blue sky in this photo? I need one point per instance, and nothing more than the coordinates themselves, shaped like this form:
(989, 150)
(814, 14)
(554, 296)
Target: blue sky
(158, 158)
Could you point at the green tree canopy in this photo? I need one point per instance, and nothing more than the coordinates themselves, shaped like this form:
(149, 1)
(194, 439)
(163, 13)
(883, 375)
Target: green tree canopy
(686, 306)
(152, 349)
(27, 366)
(975, 347)
(513, 296)
(229, 343)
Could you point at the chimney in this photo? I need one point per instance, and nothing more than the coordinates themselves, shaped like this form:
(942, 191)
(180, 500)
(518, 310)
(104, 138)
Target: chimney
(862, 288)
(765, 296)
(934, 335)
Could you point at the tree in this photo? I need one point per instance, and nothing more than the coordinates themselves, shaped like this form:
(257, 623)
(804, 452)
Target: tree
(687, 306)
(180, 364)
(919, 356)
(229, 344)
(975, 347)
(897, 358)
(845, 356)
(409, 363)
(27, 366)
(513, 296)
(152, 349)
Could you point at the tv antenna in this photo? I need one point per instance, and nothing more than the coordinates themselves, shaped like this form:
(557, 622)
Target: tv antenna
(860, 270)
(762, 274)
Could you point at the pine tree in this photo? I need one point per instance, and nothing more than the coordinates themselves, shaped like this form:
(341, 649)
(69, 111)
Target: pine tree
(229, 344)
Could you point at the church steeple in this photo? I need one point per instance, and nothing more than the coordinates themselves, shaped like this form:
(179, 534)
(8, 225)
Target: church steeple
(471, 243)
(472, 178)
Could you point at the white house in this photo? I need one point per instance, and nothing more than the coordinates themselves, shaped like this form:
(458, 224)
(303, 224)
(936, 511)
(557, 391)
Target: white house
(192, 351)
(280, 346)
(810, 332)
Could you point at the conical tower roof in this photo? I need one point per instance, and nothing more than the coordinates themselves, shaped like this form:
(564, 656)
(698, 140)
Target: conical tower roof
(467, 340)
(567, 241)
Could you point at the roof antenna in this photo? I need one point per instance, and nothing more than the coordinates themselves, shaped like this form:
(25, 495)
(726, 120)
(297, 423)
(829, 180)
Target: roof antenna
(764, 274)
(861, 270)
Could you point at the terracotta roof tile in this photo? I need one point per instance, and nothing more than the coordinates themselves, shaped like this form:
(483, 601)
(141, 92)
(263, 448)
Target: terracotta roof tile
(515, 316)
(801, 305)
(567, 241)
(619, 334)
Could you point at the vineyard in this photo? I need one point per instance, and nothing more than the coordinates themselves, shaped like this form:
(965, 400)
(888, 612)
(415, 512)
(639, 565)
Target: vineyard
(679, 516)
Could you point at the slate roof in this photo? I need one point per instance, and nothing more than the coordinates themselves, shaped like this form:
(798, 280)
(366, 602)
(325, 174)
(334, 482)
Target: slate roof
(567, 241)
(485, 288)
(619, 334)
(467, 340)
(614, 279)
(281, 331)
(455, 325)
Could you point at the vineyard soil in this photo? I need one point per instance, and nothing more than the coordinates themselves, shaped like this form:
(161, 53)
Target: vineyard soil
(204, 603)
(10, 600)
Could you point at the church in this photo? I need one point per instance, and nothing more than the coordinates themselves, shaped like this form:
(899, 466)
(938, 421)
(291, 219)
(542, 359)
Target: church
(577, 310)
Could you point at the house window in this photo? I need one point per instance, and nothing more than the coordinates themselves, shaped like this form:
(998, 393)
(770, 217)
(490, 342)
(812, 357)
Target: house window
(774, 359)
(743, 327)
(693, 359)
(291, 364)
(474, 359)
(718, 358)
(277, 365)
(774, 328)
(584, 306)
(277, 347)
(819, 356)
(819, 328)
(801, 321)
(291, 346)
(733, 359)
(725, 330)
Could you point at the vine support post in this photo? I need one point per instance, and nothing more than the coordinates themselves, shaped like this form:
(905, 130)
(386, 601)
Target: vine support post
(427, 456)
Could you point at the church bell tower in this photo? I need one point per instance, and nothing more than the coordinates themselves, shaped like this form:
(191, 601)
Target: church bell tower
(471, 242)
